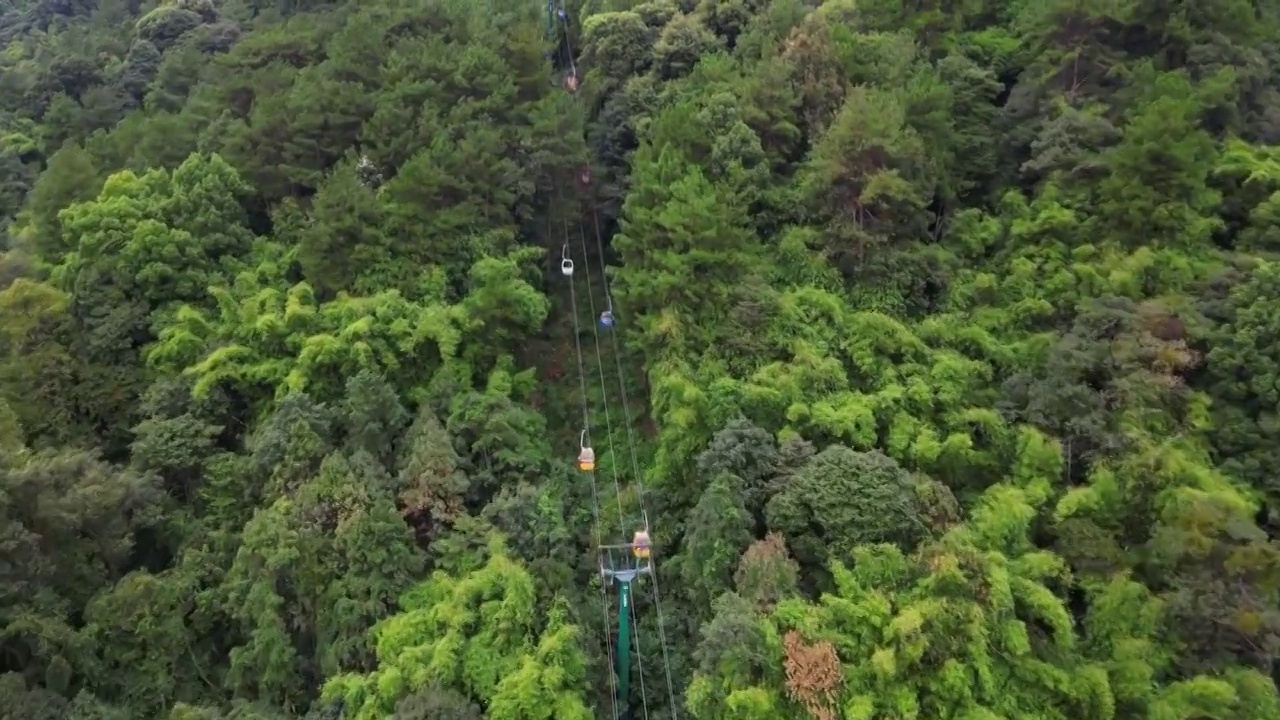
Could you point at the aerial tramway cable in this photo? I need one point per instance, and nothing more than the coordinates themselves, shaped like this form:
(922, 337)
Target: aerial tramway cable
(625, 588)
(604, 391)
(567, 262)
(635, 463)
(631, 445)
(617, 486)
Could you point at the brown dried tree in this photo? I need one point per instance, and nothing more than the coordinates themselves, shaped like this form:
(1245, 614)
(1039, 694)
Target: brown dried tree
(813, 674)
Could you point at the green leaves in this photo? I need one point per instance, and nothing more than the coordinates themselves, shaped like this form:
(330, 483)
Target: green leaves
(841, 499)
(958, 386)
(343, 246)
(719, 530)
(286, 343)
(475, 634)
(677, 224)
(71, 522)
(37, 373)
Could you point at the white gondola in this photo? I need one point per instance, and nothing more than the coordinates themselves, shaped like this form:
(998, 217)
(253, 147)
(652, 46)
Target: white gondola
(566, 264)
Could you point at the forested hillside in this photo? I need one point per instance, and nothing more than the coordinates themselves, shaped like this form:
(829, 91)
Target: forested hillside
(936, 344)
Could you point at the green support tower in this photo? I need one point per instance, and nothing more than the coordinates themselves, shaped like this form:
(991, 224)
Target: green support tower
(622, 564)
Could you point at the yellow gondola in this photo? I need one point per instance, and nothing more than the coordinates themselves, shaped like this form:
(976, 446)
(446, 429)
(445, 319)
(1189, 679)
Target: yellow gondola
(640, 544)
(586, 456)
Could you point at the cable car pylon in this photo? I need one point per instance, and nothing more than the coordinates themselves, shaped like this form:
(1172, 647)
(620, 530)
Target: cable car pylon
(622, 565)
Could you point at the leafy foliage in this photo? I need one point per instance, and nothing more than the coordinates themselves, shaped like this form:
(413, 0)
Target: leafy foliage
(943, 371)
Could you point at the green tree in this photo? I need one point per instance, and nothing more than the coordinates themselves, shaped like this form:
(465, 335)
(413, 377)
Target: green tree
(719, 530)
(37, 365)
(70, 177)
(683, 244)
(477, 634)
(343, 247)
(841, 499)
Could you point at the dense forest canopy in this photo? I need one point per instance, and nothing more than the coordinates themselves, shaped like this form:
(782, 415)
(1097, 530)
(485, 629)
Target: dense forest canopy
(935, 344)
